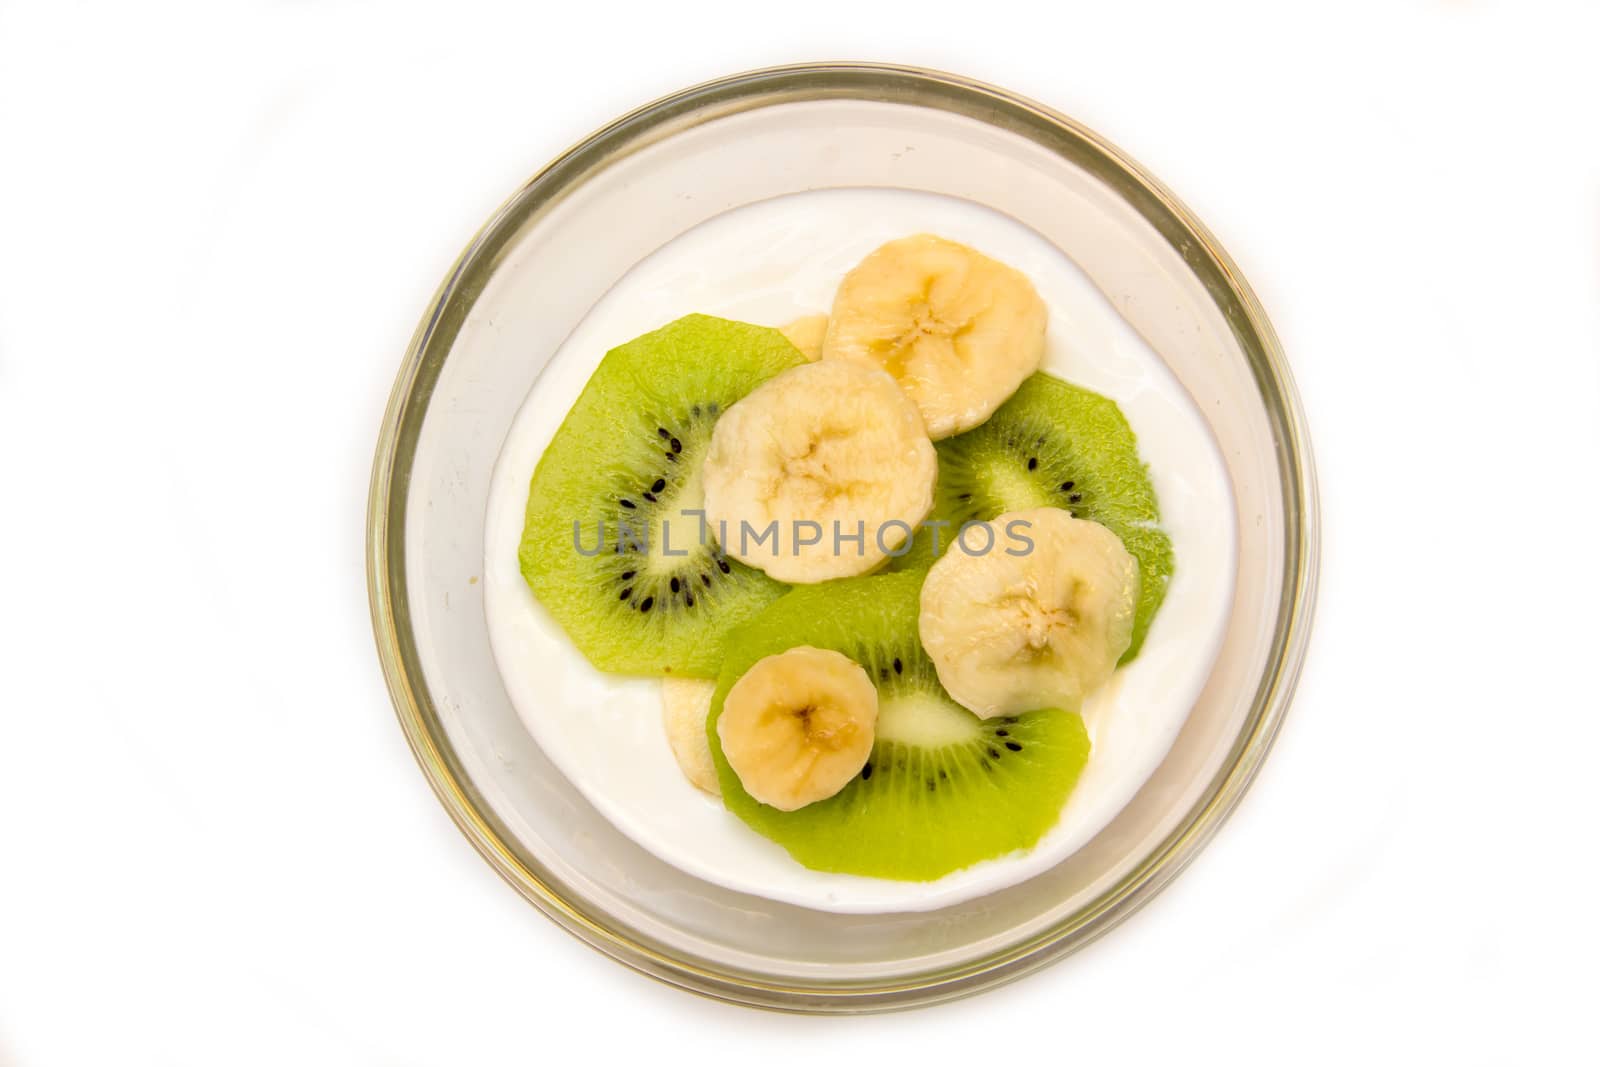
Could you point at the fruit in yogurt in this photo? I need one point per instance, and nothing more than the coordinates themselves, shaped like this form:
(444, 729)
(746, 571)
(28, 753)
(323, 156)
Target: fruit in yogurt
(819, 473)
(614, 544)
(1039, 619)
(959, 331)
(941, 789)
(797, 726)
(685, 704)
(1057, 445)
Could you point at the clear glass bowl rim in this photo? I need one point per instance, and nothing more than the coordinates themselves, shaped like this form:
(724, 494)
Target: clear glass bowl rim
(430, 346)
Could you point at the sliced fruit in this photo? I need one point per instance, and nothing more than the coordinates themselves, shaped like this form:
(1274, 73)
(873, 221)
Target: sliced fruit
(797, 726)
(1037, 618)
(685, 706)
(612, 545)
(806, 334)
(942, 789)
(819, 473)
(1053, 445)
(959, 331)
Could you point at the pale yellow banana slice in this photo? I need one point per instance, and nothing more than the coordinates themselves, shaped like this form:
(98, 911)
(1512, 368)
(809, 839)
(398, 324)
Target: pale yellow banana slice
(1037, 621)
(685, 706)
(806, 334)
(797, 726)
(818, 473)
(959, 331)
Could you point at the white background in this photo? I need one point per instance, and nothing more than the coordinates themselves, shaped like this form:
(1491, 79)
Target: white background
(218, 227)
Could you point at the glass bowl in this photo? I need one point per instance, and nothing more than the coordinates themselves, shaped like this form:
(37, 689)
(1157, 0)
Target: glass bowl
(564, 238)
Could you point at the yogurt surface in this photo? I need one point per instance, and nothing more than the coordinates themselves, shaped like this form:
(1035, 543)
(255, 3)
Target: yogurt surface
(770, 263)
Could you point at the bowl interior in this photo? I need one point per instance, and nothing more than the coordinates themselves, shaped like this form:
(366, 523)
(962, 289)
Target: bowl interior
(534, 272)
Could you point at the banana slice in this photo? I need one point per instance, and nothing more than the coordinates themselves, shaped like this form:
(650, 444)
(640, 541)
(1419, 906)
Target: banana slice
(806, 334)
(1037, 621)
(818, 473)
(959, 331)
(797, 726)
(685, 706)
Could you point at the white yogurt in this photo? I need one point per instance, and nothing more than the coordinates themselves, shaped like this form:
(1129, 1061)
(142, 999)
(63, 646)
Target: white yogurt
(769, 263)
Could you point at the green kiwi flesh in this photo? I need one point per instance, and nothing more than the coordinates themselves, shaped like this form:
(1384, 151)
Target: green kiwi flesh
(942, 789)
(1054, 444)
(610, 546)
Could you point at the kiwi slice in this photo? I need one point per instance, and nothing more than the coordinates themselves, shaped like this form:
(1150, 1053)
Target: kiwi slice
(942, 789)
(610, 545)
(1054, 444)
